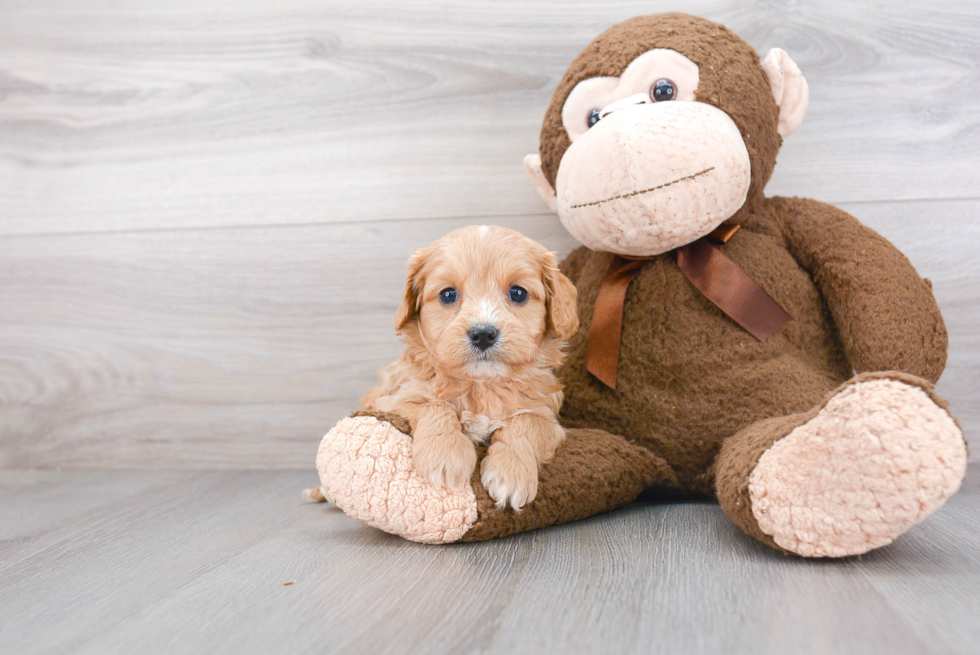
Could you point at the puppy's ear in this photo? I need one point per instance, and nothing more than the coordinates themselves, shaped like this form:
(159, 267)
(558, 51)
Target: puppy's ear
(562, 308)
(409, 309)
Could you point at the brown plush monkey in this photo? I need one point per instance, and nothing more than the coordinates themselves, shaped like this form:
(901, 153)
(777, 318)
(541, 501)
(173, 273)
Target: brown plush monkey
(772, 352)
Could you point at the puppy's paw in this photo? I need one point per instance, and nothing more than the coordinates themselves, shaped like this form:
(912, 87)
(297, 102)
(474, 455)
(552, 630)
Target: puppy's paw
(446, 460)
(317, 495)
(509, 475)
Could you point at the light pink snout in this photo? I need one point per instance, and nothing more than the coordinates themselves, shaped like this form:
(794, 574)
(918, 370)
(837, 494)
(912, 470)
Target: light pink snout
(648, 178)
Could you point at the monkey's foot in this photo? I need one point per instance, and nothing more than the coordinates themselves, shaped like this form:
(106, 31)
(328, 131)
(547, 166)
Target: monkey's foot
(879, 457)
(366, 469)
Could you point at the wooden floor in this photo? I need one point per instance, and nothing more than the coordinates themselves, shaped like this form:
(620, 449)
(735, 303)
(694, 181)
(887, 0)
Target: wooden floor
(205, 213)
(197, 562)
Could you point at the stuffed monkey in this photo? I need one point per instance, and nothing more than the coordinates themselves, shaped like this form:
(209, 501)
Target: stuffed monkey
(773, 353)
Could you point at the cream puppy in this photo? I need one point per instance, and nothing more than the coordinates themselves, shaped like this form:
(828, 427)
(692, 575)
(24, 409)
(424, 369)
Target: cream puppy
(485, 317)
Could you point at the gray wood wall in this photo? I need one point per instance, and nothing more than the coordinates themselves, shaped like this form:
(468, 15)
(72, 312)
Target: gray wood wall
(205, 208)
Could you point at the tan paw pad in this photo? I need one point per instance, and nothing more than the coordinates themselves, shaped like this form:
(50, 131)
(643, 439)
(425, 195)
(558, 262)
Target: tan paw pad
(877, 459)
(366, 469)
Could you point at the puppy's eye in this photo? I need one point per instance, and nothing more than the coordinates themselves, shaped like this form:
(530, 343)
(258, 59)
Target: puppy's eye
(663, 90)
(518, 295)
(592, 118)
(447, 296)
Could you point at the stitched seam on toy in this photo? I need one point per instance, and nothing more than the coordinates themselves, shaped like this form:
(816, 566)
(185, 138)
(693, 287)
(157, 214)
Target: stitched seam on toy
(636, 193)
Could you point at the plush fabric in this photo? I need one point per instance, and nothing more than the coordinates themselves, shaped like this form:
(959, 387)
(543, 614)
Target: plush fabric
(800, 452)
(687, 370)
(877, 459)
(532, 165)
(624, 174)
(789, 89)
(595, 473)
(811, 456)
(743, 91)
(365, 467)
(609, 93)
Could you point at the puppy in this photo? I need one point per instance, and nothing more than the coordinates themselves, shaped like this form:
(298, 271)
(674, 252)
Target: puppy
(485, 317)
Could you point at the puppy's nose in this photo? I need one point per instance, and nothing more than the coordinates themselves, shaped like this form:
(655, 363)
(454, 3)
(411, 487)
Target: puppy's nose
(483, 336)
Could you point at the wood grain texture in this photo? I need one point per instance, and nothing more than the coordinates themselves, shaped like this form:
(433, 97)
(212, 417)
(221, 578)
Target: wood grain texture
(143, 548)
(205, 212)
(918, 574)
(209, 348)
(200, 566)
(150, 116)
(240, 348)
(39, 507)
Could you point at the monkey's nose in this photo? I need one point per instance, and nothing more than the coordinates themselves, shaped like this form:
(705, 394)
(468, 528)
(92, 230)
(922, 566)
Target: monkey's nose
(633, 100)
(483, 336)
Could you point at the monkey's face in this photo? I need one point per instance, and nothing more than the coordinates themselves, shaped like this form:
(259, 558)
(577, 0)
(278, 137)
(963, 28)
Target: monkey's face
(661, 130)
(649, 168)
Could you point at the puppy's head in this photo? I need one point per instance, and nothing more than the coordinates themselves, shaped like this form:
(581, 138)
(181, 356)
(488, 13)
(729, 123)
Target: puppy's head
(484, 299)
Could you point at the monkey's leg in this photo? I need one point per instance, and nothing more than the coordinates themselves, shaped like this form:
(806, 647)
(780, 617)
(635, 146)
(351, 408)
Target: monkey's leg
(365, 466)
(592, 472)
(880, 455)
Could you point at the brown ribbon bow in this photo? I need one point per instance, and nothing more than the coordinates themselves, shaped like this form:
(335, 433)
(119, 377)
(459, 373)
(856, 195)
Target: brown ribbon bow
(710, 271)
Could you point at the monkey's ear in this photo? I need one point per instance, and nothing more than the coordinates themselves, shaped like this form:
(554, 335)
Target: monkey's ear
(409, 309)
(789, 88)
(532, 164)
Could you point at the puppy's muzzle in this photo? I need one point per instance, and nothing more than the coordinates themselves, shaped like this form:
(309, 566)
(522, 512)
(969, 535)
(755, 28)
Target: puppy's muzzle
(483, 337)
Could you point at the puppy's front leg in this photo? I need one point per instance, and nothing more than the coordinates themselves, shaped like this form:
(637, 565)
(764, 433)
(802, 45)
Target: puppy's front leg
(510, 470)
(442, 453)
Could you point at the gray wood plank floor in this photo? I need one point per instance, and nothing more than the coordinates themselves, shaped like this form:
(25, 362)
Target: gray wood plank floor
(195, 562)
(205, 212)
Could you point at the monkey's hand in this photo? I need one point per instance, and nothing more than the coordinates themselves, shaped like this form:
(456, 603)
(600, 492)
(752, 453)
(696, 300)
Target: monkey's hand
(885, 312)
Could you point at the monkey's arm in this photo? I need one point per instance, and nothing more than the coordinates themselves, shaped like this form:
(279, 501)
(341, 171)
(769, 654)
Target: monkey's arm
(572, 265)
(886, 314)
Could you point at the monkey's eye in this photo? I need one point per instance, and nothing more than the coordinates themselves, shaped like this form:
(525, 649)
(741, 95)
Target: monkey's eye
(663, 90)
(518, 295)
(447, 296)
(593, 117)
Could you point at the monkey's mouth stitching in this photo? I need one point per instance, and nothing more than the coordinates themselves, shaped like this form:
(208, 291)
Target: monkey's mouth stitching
(636, 193)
